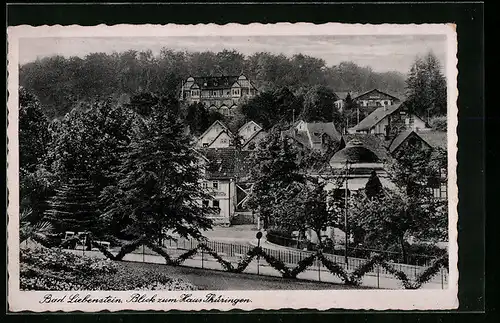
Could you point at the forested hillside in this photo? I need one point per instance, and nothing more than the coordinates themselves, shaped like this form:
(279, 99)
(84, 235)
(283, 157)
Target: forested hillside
(63, 83)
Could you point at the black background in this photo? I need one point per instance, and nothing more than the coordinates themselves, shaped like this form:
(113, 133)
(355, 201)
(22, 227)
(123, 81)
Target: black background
(471, 153)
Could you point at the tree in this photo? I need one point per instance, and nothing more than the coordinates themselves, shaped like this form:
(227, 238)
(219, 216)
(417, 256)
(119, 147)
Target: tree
(319, 106)
(407, 211)
(307, 208)
(426, 87)
(34, 140)
(87, 142)
(158, 186)
(274, 174)
(34, 135)
(75, 207)
(197, 118)
(269, 108)
(373, 187)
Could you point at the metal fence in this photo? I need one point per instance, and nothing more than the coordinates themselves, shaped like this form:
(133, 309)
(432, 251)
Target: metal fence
(234, 252)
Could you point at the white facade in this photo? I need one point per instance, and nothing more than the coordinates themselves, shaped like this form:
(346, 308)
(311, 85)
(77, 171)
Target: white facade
(248, 130)
(211, 134)
(222, 191)
(222, 141)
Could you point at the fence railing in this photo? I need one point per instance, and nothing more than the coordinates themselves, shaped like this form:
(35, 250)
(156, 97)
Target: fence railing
(292, 258)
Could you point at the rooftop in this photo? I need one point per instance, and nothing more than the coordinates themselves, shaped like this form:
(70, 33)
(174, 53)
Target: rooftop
(226, 162)
(375, 117)
(354, 152)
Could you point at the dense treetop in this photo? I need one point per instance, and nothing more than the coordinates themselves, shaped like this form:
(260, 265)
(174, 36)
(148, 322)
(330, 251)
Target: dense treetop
(60, 83)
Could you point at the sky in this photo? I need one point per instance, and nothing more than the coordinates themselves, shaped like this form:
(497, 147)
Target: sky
(381, 53)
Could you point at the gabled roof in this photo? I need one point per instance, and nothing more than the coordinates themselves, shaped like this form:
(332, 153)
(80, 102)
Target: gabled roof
(224, 127)
(249, 122)
(374, 90)
(313, 133)
(370, 141)
(399, 139)
(316, 129)
(255, 134)
(434, 139)
(375, 117)
(220, 134)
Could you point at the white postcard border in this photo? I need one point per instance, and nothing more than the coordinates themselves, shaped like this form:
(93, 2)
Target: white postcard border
(279, 299)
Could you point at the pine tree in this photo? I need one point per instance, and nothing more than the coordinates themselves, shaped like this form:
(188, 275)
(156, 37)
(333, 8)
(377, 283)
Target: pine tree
(158, 182)
(75, 207)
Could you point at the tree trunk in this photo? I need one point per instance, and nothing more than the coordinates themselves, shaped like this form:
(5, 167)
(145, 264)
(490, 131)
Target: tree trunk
(318, 234)
(403, 249)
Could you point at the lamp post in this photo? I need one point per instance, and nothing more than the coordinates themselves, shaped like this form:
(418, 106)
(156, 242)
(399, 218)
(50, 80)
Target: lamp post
(347, 165)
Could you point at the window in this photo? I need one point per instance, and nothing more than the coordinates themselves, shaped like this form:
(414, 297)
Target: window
(205, 203)
(223, 140)
(407, 121)
(215, 204)
(205, 144)
(254, 128)
(204, 185)
(444, 191)
(215, 184)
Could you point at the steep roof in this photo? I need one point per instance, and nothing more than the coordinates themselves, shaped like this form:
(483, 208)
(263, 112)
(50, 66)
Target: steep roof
(220, 134)
(217, 82)
(375, 117)
(435, 138)
(399, 139)
(224, 127)
(226, 162)
(316, 129)
(255, 134)
(250, 122)
(373, 142)
(374, 90)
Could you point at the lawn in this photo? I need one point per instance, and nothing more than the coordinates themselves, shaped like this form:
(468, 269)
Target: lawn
(205, 279)
(53, 269)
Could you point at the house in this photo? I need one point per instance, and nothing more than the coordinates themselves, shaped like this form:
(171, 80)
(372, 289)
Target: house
(389, 121)
(375, 99)
(248, 130)
(251, 135)
(226, 177)
(425, 139)
(217, 135)
(220, 93)
(314, 135)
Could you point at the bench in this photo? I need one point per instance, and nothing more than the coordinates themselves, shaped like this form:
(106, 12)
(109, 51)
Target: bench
(105, 244)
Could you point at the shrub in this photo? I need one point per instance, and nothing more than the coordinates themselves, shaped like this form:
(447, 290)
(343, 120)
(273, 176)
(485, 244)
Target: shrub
(53, 269)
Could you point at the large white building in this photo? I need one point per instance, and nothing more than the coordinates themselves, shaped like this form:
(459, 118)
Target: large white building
(220, 93)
